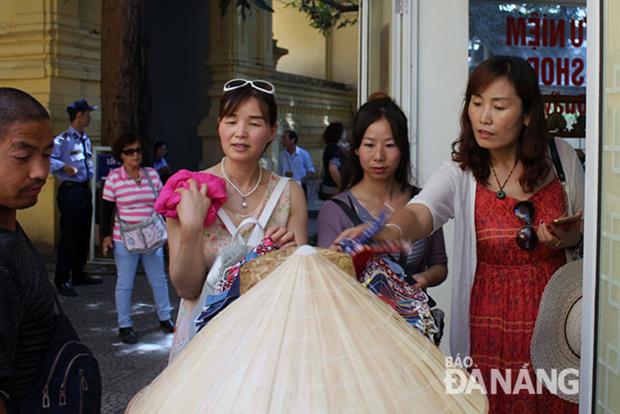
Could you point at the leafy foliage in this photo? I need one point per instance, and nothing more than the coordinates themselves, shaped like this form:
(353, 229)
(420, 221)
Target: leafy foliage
(323, 14)
(327, 14)
(244, 5)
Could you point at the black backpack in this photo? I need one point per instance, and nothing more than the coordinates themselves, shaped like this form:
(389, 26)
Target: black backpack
(69, 379)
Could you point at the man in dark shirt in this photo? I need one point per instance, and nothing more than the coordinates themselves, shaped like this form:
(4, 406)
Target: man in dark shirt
(27, 304)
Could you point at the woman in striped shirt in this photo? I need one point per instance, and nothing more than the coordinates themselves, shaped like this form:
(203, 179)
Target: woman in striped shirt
(131, 190)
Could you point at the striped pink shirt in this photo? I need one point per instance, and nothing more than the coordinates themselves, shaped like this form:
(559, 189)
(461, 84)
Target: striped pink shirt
(134, 202)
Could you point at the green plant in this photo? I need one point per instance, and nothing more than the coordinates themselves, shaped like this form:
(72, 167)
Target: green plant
(323, 14)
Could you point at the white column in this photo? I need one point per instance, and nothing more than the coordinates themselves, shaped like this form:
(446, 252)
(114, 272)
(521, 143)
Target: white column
(443, 34)
(587, 381)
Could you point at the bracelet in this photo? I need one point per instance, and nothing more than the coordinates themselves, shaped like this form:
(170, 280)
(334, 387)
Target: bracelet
(395, 226)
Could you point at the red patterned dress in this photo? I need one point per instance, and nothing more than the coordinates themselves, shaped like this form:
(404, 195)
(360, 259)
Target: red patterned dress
(508, 286)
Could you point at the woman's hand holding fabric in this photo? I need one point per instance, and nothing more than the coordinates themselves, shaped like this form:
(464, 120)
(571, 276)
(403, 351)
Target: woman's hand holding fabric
(281, 237)
(420, 281)
(194, 205)
(350, 233)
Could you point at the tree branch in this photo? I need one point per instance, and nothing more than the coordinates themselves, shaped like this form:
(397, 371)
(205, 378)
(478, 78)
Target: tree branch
(342, 8)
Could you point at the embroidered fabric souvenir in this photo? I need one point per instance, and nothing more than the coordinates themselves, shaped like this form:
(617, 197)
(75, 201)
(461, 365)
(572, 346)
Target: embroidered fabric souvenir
(227, 290)
(386, 279)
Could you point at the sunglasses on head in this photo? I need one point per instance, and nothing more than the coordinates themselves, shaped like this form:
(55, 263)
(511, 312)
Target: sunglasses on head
(526, 236)
(132, 151)
(258, 84)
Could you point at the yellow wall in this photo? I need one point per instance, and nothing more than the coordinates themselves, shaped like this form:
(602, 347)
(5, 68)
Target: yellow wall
(608, 335)
(312, 54)
(306, 46)
(380, 53)
(51, 49)
(343, 59)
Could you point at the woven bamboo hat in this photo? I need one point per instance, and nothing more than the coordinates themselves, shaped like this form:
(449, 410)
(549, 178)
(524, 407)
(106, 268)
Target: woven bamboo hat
(256, 270)
(307, 338)
(556, 341)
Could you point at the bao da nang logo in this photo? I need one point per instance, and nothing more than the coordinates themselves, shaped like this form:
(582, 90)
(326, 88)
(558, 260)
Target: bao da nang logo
(507, 381)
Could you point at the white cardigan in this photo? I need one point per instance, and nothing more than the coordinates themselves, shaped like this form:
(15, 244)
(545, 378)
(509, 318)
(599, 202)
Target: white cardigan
(451, 193)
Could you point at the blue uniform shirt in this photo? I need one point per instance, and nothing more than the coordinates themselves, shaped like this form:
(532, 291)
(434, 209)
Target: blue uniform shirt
(71, 148)
(299, 164)
(162, 163)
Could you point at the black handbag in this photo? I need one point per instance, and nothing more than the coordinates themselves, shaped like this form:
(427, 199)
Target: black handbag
(69, 380)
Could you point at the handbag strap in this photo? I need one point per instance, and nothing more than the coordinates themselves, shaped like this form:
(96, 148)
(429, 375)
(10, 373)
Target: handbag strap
(155, 192)
(349, 210)
(228, 223)
(557, 163)
(271, 203)
(235, 231)
(259, 229)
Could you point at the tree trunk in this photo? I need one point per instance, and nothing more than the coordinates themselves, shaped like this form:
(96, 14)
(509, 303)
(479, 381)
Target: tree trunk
(125, 83)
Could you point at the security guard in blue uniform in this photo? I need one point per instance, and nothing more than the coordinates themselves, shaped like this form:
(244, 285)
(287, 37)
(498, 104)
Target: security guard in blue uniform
(72, 164)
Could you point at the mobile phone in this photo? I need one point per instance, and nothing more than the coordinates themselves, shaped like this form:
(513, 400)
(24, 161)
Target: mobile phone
(566, 220)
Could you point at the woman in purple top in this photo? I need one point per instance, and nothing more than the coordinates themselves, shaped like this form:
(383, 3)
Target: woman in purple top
(376, 176)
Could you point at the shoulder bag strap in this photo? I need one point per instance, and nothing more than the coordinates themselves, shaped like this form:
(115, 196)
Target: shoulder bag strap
(228, 223)
(237, 237)
(235, 231)
(557, 163)
(260, 224)
(268, 210)
(349, 210)
(148, 178)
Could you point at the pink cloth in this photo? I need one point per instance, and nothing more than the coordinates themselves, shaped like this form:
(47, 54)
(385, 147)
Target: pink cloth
(168, 199)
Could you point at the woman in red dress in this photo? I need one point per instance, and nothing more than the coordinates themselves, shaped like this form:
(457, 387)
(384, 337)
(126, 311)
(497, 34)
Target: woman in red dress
(503, 191)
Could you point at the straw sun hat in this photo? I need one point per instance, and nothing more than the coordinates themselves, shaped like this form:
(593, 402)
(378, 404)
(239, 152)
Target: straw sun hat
(309, 338)
(556, 341)
(256, 270)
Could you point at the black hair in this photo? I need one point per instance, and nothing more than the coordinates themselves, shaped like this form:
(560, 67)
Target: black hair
(124, 140)
(369, 113)
(532, 141)
(17, 105)
(231, 100)
(333, 133)
(159, 144)
(291, 134)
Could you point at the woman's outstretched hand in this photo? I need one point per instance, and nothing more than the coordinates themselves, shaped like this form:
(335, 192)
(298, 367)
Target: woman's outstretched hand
(352, 233)
(281, 237)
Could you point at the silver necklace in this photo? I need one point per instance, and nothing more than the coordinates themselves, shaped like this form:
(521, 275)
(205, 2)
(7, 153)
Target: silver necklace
(234, 187)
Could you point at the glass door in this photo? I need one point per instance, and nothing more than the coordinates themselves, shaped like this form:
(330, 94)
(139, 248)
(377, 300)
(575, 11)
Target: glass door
(607, 349)
(388, 50)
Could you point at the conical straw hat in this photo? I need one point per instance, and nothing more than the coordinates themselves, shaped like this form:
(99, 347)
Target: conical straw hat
(307, 339)
(256, 270)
